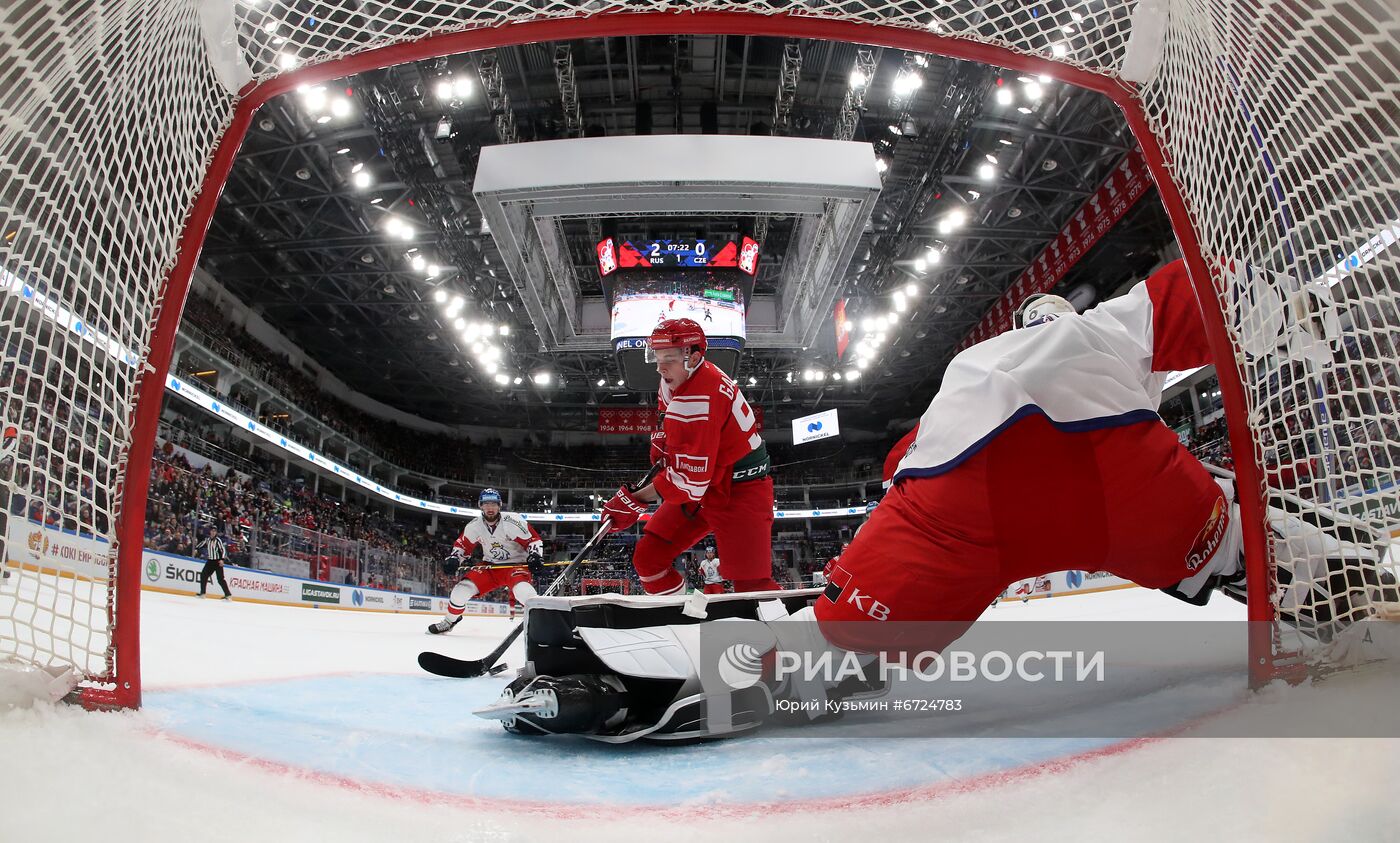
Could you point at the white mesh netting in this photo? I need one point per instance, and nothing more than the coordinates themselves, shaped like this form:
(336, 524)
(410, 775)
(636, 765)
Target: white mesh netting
(1279, 121)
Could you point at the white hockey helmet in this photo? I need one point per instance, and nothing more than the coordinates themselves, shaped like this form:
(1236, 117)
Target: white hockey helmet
(1042, 307)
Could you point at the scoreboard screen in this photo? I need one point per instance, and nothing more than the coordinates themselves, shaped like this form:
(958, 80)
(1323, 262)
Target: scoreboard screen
(646, 282)
(677, 254)
(641, 300)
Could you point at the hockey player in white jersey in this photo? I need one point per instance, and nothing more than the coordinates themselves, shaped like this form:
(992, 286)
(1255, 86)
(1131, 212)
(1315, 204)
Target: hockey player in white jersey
(510, 547)
(709, 573)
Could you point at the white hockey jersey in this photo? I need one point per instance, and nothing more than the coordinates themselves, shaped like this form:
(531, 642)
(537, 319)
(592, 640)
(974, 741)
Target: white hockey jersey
(1104, 368)
(506, 543)
(709, 571)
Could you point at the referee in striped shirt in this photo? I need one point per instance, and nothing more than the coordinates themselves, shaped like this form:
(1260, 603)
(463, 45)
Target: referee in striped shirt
(214, 552)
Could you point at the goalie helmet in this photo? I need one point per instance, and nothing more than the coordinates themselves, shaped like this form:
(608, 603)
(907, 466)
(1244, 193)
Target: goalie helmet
(675, 333)
(1040, 308)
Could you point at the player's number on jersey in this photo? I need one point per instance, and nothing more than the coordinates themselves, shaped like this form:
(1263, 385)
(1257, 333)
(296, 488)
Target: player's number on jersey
(744, 415)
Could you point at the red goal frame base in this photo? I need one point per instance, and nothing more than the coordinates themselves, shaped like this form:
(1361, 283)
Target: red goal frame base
(613, 586)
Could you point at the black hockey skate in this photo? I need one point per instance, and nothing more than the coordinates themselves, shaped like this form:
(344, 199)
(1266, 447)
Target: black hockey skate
(602, 707)
(554, 705)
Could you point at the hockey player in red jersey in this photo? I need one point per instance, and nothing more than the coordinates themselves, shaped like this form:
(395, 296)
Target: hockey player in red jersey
(715, 477)
(510, 547)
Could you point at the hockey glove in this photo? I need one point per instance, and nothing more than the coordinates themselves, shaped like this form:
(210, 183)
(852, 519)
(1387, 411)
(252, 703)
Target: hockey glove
(658, 446)
(533, 560)
(623, 510)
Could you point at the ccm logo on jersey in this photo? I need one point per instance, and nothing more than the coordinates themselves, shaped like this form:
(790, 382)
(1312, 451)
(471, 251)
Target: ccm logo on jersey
(1210, 536)
(692, 465)
(839, 587)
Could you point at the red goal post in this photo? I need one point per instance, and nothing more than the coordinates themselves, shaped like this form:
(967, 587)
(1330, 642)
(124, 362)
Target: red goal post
(1269, 129)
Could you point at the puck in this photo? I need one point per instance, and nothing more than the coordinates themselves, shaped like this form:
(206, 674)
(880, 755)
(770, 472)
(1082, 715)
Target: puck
(498, 668)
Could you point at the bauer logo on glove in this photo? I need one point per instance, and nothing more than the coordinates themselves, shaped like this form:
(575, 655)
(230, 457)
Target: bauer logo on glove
(623, 510)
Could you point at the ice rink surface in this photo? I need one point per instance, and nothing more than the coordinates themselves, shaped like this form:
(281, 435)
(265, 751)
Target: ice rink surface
(273, 723)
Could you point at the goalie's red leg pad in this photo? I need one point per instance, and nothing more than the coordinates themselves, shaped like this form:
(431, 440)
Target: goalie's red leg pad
(1036, 499)
(488, 578)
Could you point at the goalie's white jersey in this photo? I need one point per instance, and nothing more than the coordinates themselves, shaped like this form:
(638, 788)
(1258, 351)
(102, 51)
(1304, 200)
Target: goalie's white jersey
(508, 542)
(1102, 369)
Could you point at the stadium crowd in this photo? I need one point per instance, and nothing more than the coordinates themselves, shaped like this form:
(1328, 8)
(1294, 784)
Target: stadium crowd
(185, 500)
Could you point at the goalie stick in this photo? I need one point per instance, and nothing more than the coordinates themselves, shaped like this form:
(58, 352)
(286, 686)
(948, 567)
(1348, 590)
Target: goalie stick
(469, 668)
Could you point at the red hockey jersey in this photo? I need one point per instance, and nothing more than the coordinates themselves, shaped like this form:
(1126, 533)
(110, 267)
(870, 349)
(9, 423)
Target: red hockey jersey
(709, 427)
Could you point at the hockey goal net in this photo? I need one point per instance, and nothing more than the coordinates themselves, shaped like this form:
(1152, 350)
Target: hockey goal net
(1270, 129)
(597, 586)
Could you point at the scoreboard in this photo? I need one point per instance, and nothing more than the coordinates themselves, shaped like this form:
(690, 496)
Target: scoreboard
(646, 282)
(677, 254)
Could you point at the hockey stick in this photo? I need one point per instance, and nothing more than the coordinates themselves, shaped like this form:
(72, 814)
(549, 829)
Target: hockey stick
(468, 668)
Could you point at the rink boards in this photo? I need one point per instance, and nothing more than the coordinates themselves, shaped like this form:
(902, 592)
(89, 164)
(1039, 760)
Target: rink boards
(65, 554)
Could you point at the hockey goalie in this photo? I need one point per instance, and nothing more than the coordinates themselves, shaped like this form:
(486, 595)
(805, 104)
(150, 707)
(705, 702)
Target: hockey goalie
(1043, 451)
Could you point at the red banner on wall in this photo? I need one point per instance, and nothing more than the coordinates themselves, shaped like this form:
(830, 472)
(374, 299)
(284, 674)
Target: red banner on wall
(1125, 185)
(626, 419)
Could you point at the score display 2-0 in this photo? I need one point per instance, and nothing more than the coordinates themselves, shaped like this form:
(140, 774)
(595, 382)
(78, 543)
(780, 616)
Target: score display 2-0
(657, 254)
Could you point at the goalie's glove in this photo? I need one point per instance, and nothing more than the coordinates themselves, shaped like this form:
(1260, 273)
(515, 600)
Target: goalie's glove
(658, 446)
(623, 510)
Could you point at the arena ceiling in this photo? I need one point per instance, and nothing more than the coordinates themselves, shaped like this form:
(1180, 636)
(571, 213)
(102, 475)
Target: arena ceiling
(312, 227)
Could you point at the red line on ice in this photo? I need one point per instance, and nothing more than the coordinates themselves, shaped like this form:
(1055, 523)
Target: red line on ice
(706, 810)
